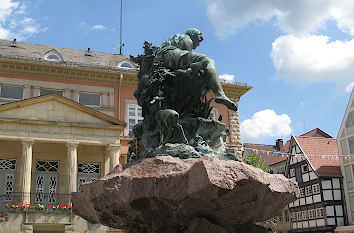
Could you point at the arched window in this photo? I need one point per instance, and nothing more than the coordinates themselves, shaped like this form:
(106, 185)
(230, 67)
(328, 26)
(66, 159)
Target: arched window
(53, 56)
(125, 65)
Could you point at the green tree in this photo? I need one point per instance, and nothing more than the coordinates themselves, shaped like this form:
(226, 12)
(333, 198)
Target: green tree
(255, 160)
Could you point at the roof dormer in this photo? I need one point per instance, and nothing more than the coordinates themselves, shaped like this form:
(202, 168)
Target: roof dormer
(52, 56)
(125, 64)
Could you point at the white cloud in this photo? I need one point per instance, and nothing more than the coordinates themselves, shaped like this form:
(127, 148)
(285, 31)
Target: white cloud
(295, 17)
(98, 27)
(263, 124)
(228, 78)
(298, 57)
(310, 59)
(349, 87)
(14, 22)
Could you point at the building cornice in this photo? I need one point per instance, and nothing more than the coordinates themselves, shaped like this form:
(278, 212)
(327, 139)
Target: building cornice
(19, 67)
(64, 72)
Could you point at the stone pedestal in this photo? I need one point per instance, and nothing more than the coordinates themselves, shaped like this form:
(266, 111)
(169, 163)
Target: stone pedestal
(167, 194)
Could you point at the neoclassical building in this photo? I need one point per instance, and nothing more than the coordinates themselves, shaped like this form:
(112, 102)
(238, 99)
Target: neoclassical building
(66, 117)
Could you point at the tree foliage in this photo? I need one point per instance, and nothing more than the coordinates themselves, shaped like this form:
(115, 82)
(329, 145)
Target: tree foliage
(255, 160)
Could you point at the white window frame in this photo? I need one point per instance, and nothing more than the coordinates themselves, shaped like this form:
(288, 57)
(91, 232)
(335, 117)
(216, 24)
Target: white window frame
(52, 52)
(89, 105)
(136, 117)
(312, 214)
(125, 62)
(304, 168)
(308, 190)
(319, 212)
(316, 188)
(304, 215)
(299, 216)
(7, 98)
(49, 89)
(302, 192)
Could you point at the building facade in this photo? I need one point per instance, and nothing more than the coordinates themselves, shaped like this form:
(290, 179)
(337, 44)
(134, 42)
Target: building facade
(345, 142)
(66, 117)
(320, 207)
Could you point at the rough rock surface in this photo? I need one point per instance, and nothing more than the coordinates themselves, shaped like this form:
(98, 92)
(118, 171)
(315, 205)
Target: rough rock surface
(167, 194)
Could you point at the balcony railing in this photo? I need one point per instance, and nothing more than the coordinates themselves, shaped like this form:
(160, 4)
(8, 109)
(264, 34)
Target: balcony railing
(50, 199)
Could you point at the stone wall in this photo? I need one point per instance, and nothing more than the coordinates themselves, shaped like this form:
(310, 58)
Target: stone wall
(235, 136)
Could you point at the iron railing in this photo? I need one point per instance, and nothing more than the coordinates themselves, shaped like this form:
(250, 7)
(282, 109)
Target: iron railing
(35, 198)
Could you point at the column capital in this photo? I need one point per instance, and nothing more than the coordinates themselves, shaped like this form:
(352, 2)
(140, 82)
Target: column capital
(72, 144)
(113, 147)
(27, 142)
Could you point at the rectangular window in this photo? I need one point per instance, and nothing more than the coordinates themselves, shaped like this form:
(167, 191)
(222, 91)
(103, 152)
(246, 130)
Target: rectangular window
(348, 176)
(299, 216)
(302, 192)
(319, 212)
(87, 172)
(286, 215)
(135, 116)
(293, 217)
(316, 188)
(308, 190)
(304, 215)
(11, 92)
(46, 182)
(292, 172)
(304, 168)
(351, 145)
(88, 99)
(44, 91)
(312, 214)
(281, 217)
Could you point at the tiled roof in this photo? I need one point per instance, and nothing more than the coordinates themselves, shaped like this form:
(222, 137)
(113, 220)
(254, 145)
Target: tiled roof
(262, 151)
(316, 133)
(314, 147)
(278, 159)
(71, 57)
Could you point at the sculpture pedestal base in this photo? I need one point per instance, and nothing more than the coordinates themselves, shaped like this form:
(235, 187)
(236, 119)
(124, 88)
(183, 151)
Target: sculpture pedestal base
(167, 194)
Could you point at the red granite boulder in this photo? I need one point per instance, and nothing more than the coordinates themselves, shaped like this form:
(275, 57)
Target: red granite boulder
(167, 194)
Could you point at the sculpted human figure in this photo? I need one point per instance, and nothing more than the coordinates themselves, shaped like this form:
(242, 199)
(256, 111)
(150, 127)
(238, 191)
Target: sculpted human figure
(178, 55)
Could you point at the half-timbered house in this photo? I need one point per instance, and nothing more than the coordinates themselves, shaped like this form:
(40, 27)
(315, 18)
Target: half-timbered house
(314, 165)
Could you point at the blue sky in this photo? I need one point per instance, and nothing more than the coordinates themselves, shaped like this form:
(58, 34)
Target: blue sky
(297, 55)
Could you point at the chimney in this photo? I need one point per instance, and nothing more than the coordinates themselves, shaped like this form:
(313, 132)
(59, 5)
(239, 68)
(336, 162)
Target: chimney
(88, 52)
(13, 44)
(279, 144)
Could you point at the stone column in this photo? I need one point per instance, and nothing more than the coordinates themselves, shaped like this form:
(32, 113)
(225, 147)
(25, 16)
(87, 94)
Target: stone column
(107, 162)
(26, 171)
(76, 96)
(26, 92)
(67, 93)
(235, 135)
(71, 164)
(104, 96)
(111, 100)
(36, 91)
(113, 155)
